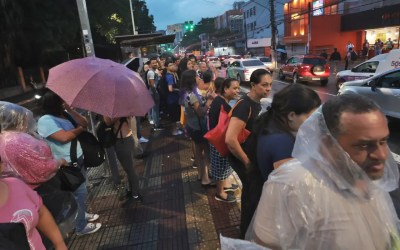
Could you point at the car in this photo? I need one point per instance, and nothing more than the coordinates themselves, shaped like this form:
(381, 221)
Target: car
(369, 68)
(135, 63)
(230, 58)
(267, 61)
(308, 68)
(242, 69)
(214, 61)
(383, 88)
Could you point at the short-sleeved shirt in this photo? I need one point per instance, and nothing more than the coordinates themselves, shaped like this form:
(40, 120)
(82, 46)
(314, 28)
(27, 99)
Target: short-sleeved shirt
(152, 75)
(23, 206)
(48, 125)
(272, 148)
(243, 110)
(172, 97)
(215, 108)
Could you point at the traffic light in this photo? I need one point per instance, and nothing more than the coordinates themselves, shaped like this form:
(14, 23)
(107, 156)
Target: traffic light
(189, 26)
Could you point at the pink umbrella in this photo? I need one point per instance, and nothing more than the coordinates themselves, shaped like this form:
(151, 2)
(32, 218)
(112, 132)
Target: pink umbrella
(101, 86)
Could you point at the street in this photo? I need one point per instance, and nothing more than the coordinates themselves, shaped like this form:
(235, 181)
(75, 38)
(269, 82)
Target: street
(325, 93)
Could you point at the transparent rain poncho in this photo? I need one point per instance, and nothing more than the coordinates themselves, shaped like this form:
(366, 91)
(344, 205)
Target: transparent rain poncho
(16, 118)
(26, 157)
(323, 200)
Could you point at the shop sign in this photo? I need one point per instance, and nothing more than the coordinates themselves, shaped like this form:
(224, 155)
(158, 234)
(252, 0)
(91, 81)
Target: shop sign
(260, 42)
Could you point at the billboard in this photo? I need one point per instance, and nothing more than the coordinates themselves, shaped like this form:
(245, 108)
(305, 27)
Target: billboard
(318, 8)
(257, 43)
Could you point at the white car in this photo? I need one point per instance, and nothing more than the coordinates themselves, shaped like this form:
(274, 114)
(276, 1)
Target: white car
(383, 88)
(214, 61)
(242, 69)
(267, 62)
(371, 67)
(229, 59)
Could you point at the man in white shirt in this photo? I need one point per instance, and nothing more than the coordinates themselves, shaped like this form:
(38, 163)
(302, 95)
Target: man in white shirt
(333, 195)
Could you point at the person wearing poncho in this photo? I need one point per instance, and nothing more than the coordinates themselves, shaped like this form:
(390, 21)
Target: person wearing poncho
(334, 193)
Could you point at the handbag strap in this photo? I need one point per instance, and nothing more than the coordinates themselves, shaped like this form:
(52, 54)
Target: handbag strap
(72, 151)
(234, 106)
(74, 143)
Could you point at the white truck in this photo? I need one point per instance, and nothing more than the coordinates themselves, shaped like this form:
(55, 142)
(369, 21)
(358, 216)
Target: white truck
(370, 68)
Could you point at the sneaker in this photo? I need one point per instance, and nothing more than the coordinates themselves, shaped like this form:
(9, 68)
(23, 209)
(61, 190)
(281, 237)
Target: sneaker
(192, 158)
(91, 217)
(234, 187)
(151, 122)
(229, 198)
(137, 197)
(143, 140)
(157, 128)
(89, 229)
(177, 132)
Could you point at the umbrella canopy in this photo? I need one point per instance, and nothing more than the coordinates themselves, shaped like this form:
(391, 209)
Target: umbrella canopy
(101, 86)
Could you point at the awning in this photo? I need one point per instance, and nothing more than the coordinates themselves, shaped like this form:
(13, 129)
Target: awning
(145, 39)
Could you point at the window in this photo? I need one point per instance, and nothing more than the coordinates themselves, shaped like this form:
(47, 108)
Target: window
(391, 80)
(248, 13)
(314, 61)
(254, 10)
(252, 63)
(368, 67)
(255, 24)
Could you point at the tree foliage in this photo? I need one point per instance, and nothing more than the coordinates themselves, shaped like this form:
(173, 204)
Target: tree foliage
(110, 18)
(47, 32)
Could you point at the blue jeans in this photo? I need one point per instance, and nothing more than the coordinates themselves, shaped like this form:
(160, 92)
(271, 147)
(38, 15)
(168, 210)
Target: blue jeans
(155, 110)
(80, 197)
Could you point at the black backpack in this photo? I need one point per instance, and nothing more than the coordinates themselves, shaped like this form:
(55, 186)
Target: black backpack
(106, 135)
(93, 152)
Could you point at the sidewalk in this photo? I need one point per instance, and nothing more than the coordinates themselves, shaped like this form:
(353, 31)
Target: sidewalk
(177, 213)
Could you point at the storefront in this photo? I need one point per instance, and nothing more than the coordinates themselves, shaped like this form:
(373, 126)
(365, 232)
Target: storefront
(379, 23)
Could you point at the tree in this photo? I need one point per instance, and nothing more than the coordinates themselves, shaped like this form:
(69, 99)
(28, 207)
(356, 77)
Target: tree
(110, 18)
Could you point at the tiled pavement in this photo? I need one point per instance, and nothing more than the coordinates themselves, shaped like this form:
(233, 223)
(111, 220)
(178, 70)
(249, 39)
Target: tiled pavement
(177, 212)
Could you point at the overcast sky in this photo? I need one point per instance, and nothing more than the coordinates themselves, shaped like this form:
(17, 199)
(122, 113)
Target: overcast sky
(167, 12)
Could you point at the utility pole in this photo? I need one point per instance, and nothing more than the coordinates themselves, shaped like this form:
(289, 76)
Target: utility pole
(309, 28)
(273, 28)
(133, 20)
(85, 26)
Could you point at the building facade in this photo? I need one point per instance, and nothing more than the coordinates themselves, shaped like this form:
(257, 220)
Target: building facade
(312, 26)
(257, 28)
(177, 29)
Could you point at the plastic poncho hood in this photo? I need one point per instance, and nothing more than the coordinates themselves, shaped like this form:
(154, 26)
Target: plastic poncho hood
(323, 200)
(16, 118)
(316, 146)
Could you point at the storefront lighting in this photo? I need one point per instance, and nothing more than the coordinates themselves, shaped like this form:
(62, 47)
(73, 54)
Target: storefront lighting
(302, 32)
(295, 33)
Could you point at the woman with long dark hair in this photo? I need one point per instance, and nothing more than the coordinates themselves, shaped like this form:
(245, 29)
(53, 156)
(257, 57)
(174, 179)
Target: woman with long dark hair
(196, 107)
(274, 134)
(220, 167)
(59, 132)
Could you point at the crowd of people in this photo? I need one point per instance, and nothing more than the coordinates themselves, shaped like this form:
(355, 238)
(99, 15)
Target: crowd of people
(313, 176)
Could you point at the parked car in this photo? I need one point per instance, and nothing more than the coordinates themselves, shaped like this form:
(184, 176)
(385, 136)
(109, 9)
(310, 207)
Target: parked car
(369, 68)
(306, 68)
(242, 69)
(267, 61)
(214, 61)
(135, 63)
(383, 88)
(228, 60)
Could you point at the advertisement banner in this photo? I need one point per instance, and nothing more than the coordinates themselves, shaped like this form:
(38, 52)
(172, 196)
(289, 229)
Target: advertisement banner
(257, 43)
